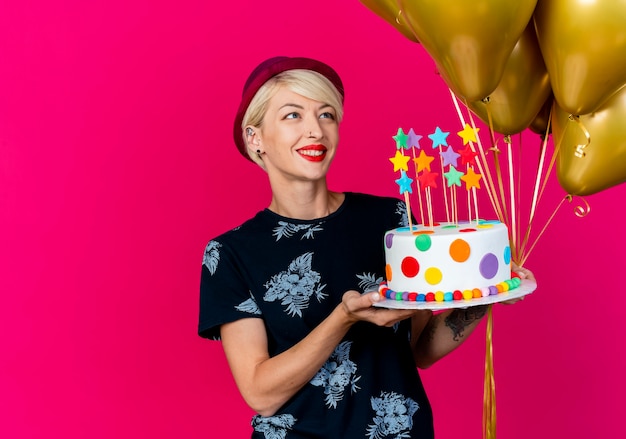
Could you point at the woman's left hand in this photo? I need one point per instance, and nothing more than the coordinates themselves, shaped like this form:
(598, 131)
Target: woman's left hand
(523, 273)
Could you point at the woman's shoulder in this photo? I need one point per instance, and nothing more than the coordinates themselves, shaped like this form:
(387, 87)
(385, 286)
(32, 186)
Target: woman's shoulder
(369, 200)
(389, 212)
(241, 231)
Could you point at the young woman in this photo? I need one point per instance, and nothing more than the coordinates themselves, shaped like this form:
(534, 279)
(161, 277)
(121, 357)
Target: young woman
(285, 291)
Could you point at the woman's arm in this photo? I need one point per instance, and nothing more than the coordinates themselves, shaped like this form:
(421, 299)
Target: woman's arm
(444, 332)
(266, 383)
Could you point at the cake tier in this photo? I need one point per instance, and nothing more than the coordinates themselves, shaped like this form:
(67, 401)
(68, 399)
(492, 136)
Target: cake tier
(447, 257)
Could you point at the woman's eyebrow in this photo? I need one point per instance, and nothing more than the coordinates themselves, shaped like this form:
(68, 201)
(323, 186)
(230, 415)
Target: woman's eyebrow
(301, 107)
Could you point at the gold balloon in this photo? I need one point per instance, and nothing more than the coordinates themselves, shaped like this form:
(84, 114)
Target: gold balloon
(584, 48)
(469, 40)
(522, 91)
(604, 162)
(390, 12)
(539, 125)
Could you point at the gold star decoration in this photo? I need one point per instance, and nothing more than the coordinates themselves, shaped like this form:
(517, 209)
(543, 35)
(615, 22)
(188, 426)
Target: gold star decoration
(400, 161)
(468, 134)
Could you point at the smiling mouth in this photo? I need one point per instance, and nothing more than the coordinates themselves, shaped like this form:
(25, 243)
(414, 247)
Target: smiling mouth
(312, 152)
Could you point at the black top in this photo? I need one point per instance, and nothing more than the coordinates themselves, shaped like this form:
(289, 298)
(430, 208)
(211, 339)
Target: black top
(291, 274)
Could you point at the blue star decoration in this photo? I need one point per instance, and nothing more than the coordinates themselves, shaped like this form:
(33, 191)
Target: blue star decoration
(439, 138)
(413, 139)
(400, 139)
(404, 182)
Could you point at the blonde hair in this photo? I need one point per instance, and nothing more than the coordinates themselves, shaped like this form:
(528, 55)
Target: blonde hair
(307, 83)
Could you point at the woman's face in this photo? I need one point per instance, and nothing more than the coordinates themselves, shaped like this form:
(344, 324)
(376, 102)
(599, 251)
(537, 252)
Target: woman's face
(298, 136)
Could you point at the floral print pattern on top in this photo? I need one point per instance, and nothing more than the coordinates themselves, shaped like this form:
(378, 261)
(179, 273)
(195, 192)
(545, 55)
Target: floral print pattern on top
(273, 427)
(401, 210)
(212, 256)
(287, 230)
(295, 286)
(369, 282)
(250, 306)
(394, 416)
(337, 373)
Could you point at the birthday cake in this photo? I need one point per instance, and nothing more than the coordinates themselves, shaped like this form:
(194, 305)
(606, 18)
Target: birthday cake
(456, 260)
(448, 261)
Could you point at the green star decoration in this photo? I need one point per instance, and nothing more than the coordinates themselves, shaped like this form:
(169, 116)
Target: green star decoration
(453, 176)
(401, 139)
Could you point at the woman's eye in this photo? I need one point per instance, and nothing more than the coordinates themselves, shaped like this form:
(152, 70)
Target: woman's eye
(327, 115)
(293, 115)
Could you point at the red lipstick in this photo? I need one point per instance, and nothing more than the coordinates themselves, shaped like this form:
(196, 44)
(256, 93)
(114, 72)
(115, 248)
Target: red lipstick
(313, 153)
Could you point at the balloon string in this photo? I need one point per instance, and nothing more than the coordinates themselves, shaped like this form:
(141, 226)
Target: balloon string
(490, 188)
(542, 158)
(489, 389)
(507, 140)
(550, 168)
(496, 159)
(536, 191)
(518, 185)
(580, 211)
(443, 182)
(419, 191)
(500, 208)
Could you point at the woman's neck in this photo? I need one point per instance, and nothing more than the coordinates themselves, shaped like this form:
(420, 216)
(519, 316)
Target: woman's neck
(305, 201)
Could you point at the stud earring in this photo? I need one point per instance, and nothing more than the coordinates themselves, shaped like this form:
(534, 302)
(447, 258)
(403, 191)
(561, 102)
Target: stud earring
(249, 131)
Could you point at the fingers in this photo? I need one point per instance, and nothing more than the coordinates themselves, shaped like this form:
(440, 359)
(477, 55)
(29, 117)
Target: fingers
(355, 301)
(512, 301)
(359, 307)
(522, 272)
(389, 317)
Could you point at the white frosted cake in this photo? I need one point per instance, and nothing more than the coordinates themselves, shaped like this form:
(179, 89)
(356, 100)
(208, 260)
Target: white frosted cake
(448, 261)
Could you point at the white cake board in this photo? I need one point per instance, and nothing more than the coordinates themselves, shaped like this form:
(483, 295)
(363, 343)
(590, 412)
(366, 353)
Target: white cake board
(527, 286)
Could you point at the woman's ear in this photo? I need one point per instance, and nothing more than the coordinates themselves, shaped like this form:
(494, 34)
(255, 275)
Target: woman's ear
(251, 136)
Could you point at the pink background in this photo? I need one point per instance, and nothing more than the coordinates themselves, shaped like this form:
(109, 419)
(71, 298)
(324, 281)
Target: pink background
(117, 166)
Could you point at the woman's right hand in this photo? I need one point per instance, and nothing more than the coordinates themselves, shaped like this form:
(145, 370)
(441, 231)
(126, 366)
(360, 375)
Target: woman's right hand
(358, 307)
